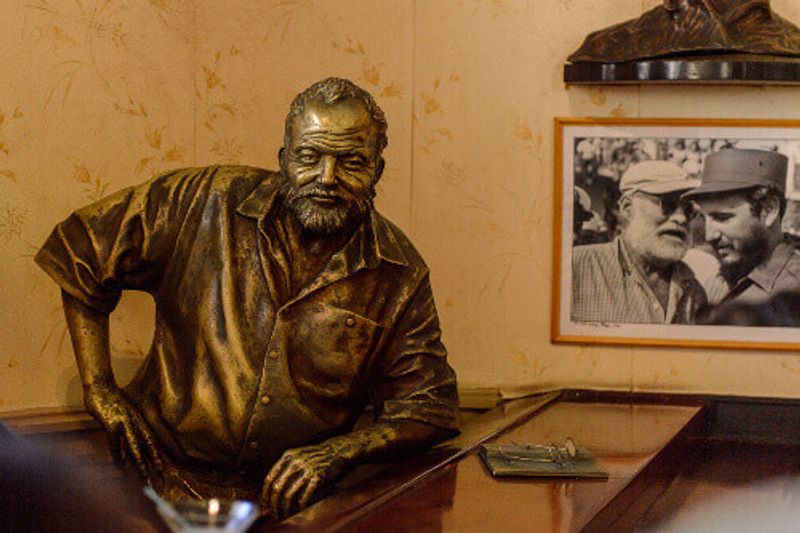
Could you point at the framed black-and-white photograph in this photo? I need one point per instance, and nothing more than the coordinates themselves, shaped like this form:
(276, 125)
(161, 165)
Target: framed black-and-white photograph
(677, 233)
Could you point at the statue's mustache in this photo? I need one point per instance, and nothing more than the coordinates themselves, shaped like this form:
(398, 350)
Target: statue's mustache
(322, 192)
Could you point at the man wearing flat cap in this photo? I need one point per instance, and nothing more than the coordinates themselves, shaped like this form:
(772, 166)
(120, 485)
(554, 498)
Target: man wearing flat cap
(639, 276)
(741, 199)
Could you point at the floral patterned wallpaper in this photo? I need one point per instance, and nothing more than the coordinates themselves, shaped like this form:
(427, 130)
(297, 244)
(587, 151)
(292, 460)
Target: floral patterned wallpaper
(102, 94)
(108, 93)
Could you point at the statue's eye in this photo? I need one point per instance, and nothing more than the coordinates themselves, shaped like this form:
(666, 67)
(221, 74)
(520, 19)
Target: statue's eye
(354, 163)
(307, 157)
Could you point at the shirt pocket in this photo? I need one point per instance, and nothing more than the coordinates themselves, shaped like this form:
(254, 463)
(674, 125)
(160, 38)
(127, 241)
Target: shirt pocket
(329, 350)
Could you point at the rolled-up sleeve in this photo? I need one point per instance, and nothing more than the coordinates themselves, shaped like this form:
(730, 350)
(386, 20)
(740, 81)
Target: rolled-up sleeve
(117, 243)
(417, 383)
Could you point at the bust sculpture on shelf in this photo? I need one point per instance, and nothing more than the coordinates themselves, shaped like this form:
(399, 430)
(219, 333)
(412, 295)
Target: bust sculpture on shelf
(694, 27)
(285, 304)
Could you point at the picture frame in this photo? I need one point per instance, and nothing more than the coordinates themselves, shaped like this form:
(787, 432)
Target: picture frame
(591, 155)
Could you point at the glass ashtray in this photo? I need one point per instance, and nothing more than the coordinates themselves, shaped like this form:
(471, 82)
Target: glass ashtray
(205, 517)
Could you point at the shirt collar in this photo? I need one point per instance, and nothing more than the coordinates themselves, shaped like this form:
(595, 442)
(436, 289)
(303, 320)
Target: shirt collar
(259, 202)
(766, 274)
(374, 241)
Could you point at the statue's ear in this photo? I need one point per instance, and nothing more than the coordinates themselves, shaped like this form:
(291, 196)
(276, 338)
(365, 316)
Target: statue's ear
(378, 170)
(282, 158)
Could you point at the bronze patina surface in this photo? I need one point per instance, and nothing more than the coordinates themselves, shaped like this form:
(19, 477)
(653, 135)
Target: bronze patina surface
(285, 304)
(678, 28)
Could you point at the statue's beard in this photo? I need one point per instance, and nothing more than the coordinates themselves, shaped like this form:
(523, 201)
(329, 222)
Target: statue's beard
(350, 211)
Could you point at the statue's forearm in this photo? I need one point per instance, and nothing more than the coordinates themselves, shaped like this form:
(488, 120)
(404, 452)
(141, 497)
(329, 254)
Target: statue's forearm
(130, 437)
(385, 441)
(295, 478)
(88, 329)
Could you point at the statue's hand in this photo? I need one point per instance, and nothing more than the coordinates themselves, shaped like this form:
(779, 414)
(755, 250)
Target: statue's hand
(299, 474)
(128, 434)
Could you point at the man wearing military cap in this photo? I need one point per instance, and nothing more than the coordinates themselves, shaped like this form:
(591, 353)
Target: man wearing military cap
(741, 199)
(639, 276)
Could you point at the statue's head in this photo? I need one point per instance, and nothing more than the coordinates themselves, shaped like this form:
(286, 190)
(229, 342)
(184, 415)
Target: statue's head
(331, 156)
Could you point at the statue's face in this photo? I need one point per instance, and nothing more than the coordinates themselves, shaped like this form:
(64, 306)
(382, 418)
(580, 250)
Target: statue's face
(331, 163)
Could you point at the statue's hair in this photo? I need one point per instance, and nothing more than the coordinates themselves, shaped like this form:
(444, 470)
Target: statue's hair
(332, 90)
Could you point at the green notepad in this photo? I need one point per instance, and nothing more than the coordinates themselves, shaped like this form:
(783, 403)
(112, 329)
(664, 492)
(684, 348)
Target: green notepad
(539, 461)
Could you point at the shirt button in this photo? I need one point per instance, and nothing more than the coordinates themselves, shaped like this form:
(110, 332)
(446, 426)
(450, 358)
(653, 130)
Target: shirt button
(253, 445)
(350, 322)
(265, 400)
(273, 354)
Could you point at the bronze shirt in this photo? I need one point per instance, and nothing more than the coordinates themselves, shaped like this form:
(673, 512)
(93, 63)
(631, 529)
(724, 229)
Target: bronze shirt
(235, 375)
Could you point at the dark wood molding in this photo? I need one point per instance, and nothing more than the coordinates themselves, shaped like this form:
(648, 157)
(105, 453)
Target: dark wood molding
(752, 419)
(673, 398)
(785, 412)
(740, 70)
(48, 420)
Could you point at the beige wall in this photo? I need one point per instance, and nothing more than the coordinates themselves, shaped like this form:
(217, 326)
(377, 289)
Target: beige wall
(100, 94)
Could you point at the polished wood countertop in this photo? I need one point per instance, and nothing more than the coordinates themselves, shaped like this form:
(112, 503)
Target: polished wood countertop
(464, 497)
(448, 488)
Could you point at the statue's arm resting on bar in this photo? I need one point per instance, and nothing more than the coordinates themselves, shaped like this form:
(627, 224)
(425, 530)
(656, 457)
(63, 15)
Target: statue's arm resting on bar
(128, 433)
(301, 472)
(397, 430)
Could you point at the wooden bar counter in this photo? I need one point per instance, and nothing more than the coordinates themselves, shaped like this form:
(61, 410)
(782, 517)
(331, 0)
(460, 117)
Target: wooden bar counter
(448, 489)
(639, 444)
(464, 497)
